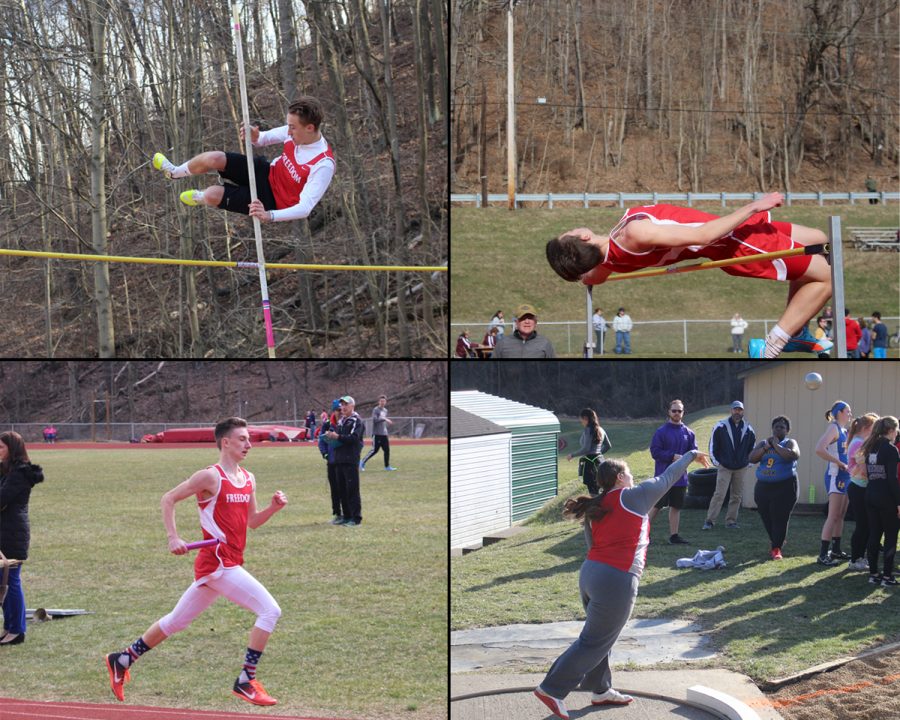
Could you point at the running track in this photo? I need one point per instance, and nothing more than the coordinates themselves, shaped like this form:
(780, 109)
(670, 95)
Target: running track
(11, 709)
(169, 446)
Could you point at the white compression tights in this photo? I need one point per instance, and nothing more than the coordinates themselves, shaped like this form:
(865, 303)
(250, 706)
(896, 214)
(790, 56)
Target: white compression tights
(235, 584)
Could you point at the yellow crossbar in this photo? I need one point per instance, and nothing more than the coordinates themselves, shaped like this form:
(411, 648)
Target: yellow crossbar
(807, 250)
(214, 263)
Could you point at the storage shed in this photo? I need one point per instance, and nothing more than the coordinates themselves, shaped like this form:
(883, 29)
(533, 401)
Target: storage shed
(777, 388)
(534, 435)
(480, 497)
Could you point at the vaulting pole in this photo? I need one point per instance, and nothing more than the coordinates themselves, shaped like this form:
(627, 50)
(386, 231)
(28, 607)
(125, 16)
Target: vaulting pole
(248, 149)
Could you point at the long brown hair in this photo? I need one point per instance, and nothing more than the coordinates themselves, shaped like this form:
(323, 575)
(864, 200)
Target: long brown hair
(588, 506)
(882, 427)
(859, 424)
(17, 452)
(593, 424)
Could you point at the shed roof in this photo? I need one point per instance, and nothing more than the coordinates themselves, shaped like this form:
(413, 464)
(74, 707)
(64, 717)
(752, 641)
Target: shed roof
(464, 424)
(507, 413)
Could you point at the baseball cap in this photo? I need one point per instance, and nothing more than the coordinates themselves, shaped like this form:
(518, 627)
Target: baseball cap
(737, 404)
(335, 404)
(525, 310)
(349, 400)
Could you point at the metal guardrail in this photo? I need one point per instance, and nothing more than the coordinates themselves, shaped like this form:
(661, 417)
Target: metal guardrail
(690, 198)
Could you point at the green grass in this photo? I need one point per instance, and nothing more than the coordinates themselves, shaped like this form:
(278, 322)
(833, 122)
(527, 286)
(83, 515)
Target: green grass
(498, 262)
(363, 630)
(765, 619)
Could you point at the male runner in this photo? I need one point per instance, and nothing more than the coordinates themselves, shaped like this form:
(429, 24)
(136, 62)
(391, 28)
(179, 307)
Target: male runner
(660, 235)
(287, 189)
(380, 422)
(226, 496)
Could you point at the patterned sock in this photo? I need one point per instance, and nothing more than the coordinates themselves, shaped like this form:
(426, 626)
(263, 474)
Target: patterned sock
(775, 342)
(250, 662)
(130, 654)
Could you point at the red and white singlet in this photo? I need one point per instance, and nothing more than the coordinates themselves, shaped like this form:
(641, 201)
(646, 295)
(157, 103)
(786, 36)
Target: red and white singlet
(224, 517)
(758, 234)
(621, 537)
(287, 179)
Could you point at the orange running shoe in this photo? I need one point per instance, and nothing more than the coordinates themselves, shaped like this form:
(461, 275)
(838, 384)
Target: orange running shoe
(253, 692)
(118, 675)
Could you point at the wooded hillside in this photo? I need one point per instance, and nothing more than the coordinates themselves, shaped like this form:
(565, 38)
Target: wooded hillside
(687, 95)
(90, 89)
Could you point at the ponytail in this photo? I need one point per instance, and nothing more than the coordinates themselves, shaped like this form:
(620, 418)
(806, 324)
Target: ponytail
(882, 427)
(588, 506)
(859, 424)
(835, 409)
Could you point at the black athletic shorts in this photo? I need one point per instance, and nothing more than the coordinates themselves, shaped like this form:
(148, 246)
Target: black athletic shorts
(236, 197)
(674, 498)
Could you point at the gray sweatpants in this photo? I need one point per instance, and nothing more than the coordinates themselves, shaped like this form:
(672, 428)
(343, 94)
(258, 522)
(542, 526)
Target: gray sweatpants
(608, 597)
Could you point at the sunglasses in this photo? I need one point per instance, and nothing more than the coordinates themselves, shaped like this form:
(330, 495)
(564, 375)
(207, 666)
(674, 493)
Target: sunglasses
(680, 412)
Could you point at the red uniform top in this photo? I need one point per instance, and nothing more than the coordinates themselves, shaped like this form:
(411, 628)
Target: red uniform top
(224, 517)
(621, 537)
(287, 179)
(758, 234)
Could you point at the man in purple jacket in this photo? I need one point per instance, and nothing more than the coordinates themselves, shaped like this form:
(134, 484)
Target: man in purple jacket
(670, 442)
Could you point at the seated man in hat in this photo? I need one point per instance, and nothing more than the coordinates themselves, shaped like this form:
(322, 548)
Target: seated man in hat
(524, 342)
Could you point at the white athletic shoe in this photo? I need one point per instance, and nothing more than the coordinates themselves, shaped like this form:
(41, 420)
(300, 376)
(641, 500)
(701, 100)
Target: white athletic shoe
(861, 564)
(556, 706)
(611, 697)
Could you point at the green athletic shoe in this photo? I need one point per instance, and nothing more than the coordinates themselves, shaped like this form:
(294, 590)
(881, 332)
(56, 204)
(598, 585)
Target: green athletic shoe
(191, 197)
(159, 160)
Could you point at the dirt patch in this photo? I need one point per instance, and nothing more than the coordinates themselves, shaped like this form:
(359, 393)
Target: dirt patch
(864, 689)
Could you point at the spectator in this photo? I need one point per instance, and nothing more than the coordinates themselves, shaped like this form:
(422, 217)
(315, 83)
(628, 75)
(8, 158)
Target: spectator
(323, 418)
(464, 346)
(490, 339)
(310, 425)
(670, 442)
(340, 514)
(380, 422)
(50, 434)
(880, 337)
(738, 325)
(776, 482)
(871, 186)
(622, 325)
(349, 434)
(524, 342)
(865, 340)
(600, 329)
(594, 442)
(17, 477)
(860, 429)
(497, 322)
(729, 449)
(832, 447)
(882, 497)
(821, 328)
(828, 314)
(854, 333)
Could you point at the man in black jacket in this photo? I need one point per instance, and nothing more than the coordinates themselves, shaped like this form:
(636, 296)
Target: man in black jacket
(349, 434)
(730, 444)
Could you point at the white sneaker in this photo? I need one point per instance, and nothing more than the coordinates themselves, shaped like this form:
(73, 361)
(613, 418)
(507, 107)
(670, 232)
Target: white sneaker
(556, 706)
(861, 564)
(611, 697)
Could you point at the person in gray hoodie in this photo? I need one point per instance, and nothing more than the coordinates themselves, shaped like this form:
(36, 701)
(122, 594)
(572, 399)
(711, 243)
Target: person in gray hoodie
(594, 443)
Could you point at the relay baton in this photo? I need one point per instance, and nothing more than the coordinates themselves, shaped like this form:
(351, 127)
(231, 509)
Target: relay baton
(201, 544)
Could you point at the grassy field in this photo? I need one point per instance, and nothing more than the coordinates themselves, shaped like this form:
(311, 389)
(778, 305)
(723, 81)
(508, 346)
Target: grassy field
(766, 619)
(498, 262)
(363, 630)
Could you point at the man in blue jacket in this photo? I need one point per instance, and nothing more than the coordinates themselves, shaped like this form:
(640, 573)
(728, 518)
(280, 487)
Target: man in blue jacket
(349, 437)
(730, 444)
(326, 447)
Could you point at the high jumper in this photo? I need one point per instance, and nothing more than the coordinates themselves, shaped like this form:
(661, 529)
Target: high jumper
(662, 235)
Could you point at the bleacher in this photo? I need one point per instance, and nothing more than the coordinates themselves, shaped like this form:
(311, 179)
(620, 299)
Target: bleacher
(874, 238)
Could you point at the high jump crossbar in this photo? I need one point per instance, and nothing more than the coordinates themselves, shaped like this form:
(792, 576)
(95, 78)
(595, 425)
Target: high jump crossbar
(216, 263)
(833, 250)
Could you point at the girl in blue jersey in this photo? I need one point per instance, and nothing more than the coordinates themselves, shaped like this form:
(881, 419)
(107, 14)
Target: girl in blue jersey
(832, 447)
(594, 443)
(776, 482)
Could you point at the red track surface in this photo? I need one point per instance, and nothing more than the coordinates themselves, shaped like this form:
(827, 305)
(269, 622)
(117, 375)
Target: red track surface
(30, 710)
(170, 446)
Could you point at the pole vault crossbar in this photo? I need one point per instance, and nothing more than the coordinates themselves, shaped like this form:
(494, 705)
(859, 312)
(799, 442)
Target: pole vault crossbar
(248, 149)
(834, 250)
(216, 263)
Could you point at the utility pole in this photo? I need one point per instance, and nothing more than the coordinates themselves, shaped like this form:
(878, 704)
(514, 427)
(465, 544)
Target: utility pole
(510, 111)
